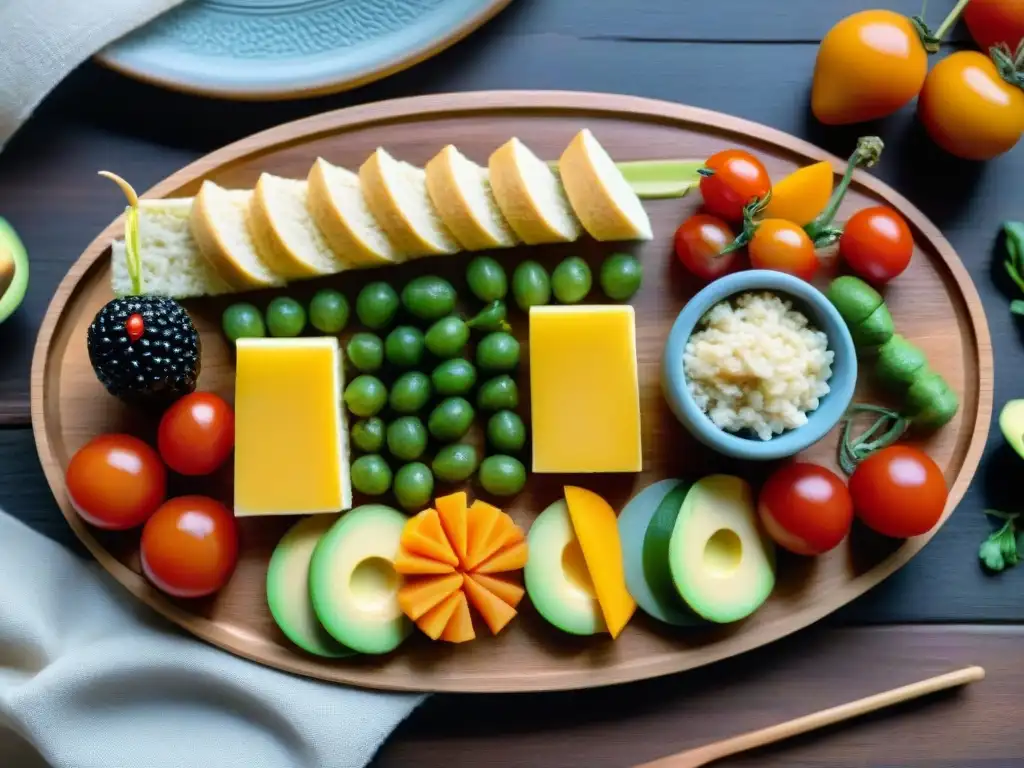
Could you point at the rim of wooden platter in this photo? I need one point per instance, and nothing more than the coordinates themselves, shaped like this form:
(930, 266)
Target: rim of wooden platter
(977, 396)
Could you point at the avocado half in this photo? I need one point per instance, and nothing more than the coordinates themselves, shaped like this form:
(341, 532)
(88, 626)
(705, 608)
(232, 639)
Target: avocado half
(1011, 423)
(11, 245)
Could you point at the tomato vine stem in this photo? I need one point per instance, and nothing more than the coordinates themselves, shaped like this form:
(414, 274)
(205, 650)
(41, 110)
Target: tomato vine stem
(868, 151)
(932, 40)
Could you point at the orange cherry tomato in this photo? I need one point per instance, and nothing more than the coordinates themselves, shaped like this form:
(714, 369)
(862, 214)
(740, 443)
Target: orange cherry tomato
(877, 244)
(898, 492)
(869, 65)
(805, 508)
(116, 481)
(197, 434)
(190, 546)
(738, 179)
(784, 247)
(968, 109)
(995, 21)
(699, 242)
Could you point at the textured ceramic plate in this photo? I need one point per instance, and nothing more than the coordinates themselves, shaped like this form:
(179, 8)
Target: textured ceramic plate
(276, 49)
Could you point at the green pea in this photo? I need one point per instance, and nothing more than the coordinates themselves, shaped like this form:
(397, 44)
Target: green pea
(328, 311)
(531, 286)
(454, 463)
(497, 351)
(377, 305)
(410, 392)
(446, 337)
(498, 393)
(429, 297)
(243, 321)
(403, 347)
(571, 280)
(621, 276)
(285, 317)
(366, 352)
(453, 377)
(368, 434)
(486, 279)
(930, 401)
(371, 475)
(506, 432)
(502, 475)
(874, 330)
(491, 318)
(365, 395)
(451, 419)
(414, 486)
(407, 438)
(899, 363)
(854, 299)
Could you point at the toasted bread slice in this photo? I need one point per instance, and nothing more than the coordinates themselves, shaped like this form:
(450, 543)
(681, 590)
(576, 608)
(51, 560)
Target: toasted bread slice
(219, 221)
(461, 192)
(171, 262)
(396, 193)
(284, 230)
(600, 196)
(530, 196)
(339, 209)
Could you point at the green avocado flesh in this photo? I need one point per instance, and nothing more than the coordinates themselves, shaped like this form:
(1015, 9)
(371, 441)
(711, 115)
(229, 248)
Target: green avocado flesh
(352, 580)
(1011, 424)
(556, 576)
(899, 363)
(12, 248)
(854, 299)
(288, 588)
(722, 563)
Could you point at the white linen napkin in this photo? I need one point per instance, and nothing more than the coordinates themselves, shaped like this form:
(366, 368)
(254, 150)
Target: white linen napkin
(41, 41)
(91, 678)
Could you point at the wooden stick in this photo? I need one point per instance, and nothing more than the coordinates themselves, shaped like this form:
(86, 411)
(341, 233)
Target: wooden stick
(709, 753)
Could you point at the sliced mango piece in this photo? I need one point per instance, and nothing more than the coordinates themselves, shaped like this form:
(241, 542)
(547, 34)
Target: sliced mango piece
(460, 625)
(596, 527)
(482, 519)
(417, 596)
(433, 622)
(409, 564)
(452, 510)
(802, 195)
(495, 611)
(509, 559)
(423, 535)
(504, 534)
(504, 587)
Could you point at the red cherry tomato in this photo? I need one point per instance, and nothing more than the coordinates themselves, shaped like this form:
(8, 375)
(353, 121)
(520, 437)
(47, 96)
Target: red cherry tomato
(116, 481)
(699, 242)
(995, 21)
(738, 178)
(784, 247)
(197, 434)
(805, 508)
(190, 546)
(877, 244)
(898, 492)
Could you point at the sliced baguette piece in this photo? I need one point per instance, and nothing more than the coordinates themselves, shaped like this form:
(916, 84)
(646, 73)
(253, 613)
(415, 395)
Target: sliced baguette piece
(600, 196)
(339, 209)
(171, 262)
(461, 192)
(530, 196)
(284, 230)
(219, 221)
(396, 193)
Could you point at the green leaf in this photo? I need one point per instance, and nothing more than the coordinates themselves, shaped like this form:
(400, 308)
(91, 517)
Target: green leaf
(1000, 550)
(1017, 307)
(991, 555)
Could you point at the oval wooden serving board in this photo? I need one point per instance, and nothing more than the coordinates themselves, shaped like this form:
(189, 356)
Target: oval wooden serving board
(934, 304)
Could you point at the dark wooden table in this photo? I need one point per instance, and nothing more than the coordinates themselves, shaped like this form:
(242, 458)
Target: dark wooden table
(751, 58)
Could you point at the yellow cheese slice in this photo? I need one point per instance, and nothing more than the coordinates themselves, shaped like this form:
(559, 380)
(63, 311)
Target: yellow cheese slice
(585, 400)
(597, 529)
(291, 452)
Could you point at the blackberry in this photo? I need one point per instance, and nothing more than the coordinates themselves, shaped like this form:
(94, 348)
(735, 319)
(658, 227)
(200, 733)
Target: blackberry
(145, 349)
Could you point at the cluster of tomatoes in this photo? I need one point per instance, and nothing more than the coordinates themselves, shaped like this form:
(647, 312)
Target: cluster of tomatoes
(117, 482)
(898, 492)
(971, 103)
(739, 214)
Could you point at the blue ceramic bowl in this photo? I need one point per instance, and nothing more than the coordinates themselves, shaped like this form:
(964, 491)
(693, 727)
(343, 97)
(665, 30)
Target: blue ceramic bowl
(818, 309)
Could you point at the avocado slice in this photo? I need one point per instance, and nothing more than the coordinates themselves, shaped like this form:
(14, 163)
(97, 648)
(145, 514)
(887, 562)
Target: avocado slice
(722, 562)
(556, 575)
(353, 583)
(1011, 423)
(288, 588)
(13, 270)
